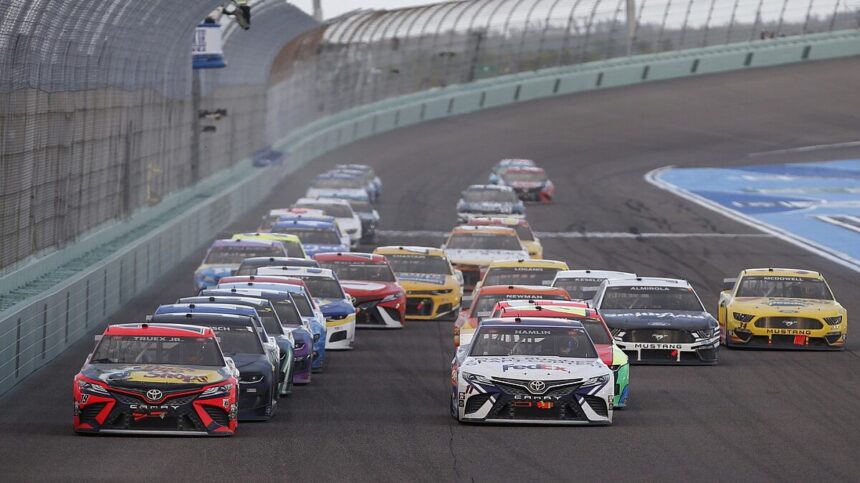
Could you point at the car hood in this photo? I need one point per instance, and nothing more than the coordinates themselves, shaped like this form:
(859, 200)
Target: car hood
(312, 250)
(483, 257)
(534, 367)
(525, 185)
(360, 289)
(216, 270)
(781, 305)
(144, 375)
(335, 307)
(423, 281)
(657, 319)
(487, 207)
(336, 192)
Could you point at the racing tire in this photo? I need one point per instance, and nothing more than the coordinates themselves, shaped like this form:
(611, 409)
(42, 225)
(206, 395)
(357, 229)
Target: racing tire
(272, 407)
(286, 387)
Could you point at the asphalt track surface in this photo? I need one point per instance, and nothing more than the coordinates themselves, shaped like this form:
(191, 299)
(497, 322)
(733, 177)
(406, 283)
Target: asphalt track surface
(380, 412)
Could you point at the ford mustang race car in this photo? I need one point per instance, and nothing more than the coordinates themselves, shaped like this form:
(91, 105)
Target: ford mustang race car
(249, 266)
(529, 183)
(486, 298)
(489, 200)
(316, 236)
(239, 339)
(521, 272)
(531, 370)
(609, 352)
(782, 308)
(658, 321)
(433, 290)
(340, 210)
(501, 166)
(471, 249)
(291, 242)
(335, 304)
(520, 225)
(156, 379)
(583, 284)
(224, 256)
(380, 301)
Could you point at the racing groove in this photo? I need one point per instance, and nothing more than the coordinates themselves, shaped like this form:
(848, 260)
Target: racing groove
(380, 412)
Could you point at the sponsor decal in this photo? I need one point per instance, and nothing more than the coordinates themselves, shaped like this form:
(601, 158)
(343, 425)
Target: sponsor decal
(784, 279)
(528, 269)
(529, 397)
(788, 332)
(532, 332)
(434, 278)
(658, 315)
(587, 280)
(85, 398)
(147, 407)
(165, 375)
(645, 288)
(157, 339)
(535, 367)
(648, 345)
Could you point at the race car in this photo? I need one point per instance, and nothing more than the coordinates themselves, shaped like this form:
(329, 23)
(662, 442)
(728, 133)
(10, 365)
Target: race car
(224, 257)
(156, 379)
(609, 352)
(501, 166)
(520, 225)
(489, 200)
(522, 272)
(249, 266)
(533, 371)
(335, 304)
(658, 321)
(486, 298)
(333, 183)
(583, 284)
(267, 156)
(471, 249)
(529, 183)
(782, 308)
(239, 339)
(340, 210)
(275, 215)
(380, 301)
(374, 184)
(316, 236)
(433, 289)
(291, 242)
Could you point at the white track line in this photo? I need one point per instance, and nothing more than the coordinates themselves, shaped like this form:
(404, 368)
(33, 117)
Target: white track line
(840, 258)
(848, 226)
(583, 234)
(805, 149)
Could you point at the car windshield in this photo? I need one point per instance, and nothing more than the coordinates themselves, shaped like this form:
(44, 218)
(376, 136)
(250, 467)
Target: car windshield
(520, 276)
(338, 183)
(234, 254)
(419, 264)
(524, 233)
(580, 288)
(787, 287)
(484, 305)
(489, 196)
(361, 206)
(597, 331)
(289, 312)
(337, 211)
(373, 272)
(193, 351)
(324, 288)
(483, 241)
(651, 298)
(311, 236)
(270, 320)
(533, 341)
(238, 339)
(524, 177)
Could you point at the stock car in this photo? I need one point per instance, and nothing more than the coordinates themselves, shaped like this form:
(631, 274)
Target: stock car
(583, 284)
(501, 166)
(224, 257)
(524, 231)
(532, 371)
(433, 289)
(249, 266)
(658, 321)
(156, 379)
(276, 214)
(340, 210)
(331, 184)
(278, 344)
(530, 183)
(286, 300)
(609, 352)
(291, 242)
(335, 304)
(239, 339)
(489, 200)
(362, 207)
(782, 308)
(522, 272)
(344, 236)
(374, 184)
(486, 298)
(316, 236)
(471, 249)
(380, 301)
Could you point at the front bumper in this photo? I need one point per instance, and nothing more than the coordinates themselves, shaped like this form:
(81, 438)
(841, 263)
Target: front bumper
(422, 305)
(254, 401)
(810, 334)
(375, 315)
(704, 351)
(340, 333)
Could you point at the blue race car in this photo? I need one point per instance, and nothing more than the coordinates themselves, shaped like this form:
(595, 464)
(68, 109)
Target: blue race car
(316, 236)
(224, 257)
(480, 200)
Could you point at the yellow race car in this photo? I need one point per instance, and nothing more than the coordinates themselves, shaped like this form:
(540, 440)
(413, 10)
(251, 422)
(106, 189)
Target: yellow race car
(522, 272)
(781, 308)
(433, 288)
(524, 232)
(291, 242)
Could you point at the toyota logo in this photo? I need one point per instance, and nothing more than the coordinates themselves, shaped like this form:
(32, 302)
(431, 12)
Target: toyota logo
(537, 387)
(658, 336)
(154, 395)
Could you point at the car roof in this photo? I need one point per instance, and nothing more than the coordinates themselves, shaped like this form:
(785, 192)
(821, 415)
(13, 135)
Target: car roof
(484, 229)
(782, 272)
(525, 169)
(246, 243)
(280, 286)
(514, 161)
(647, 282)
(274, 261)
(550, 311)
(306, 217)
(356, 257)
(528, 262)
(488, 187)
(204, 318)
(263, 293)
(529, 322)
(224, 299)
(159, 330)
(264, 236)
(208, 308)
(604, 274)
(498, 220)
(410, 250)
(521, 289)
(544, 302)
(306, 224)
(320, 200)
(298, 272)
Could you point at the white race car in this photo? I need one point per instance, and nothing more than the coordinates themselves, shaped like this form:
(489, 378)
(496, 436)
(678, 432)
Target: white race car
(531, 370)
(341, 210)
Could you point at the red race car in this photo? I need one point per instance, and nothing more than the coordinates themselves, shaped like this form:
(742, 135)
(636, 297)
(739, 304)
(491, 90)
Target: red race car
(529, 183)
(380, 301)
(156, 379)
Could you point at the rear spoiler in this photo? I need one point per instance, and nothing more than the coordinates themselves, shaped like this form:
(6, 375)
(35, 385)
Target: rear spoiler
(729, 283)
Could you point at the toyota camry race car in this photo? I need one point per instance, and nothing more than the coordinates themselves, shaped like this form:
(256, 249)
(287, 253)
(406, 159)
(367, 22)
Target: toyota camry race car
(380, 301)
(529, 183)
(433, 289)
(531, 370)
(658, 321)
(501, 166)
(224, 257)
(522, 272)
(156, 379)
(489, 200)
(472, 248)
(583, 284)
(520, 225)
(609, 352)
(782, 308)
